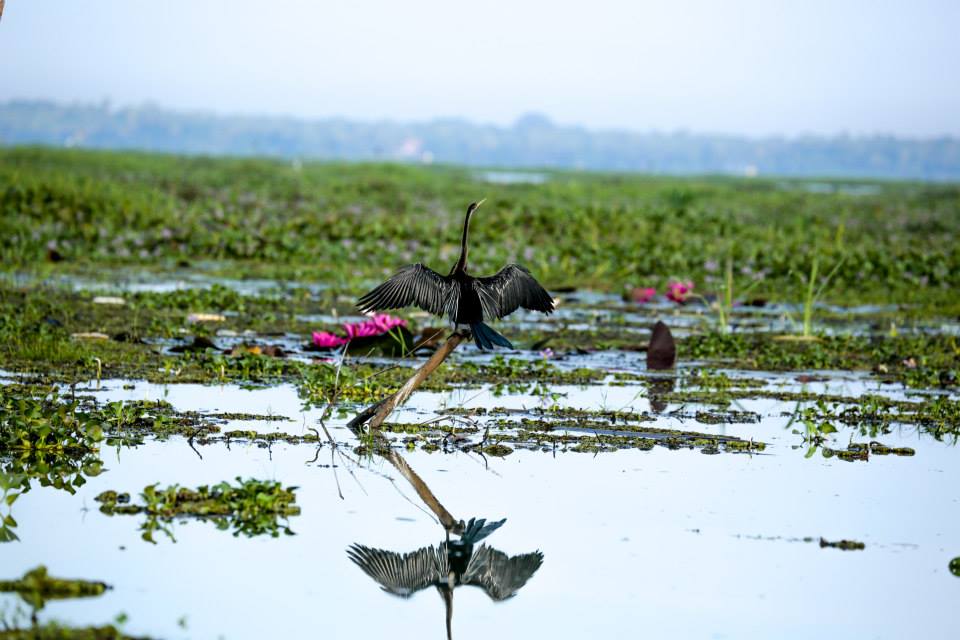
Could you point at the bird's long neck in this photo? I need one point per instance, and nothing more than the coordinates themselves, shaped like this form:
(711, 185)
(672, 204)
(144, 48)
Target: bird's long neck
(462, 262)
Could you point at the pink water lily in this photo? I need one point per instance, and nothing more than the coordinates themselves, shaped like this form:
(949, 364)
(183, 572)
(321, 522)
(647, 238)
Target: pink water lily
(679, 291)
(379, 324)
(327, 340)
(643, 294)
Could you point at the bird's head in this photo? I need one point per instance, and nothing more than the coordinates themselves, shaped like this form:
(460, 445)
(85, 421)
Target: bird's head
(474, 206)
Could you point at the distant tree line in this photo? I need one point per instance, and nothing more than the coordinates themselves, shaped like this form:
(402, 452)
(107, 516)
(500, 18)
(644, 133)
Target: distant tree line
(532, 141)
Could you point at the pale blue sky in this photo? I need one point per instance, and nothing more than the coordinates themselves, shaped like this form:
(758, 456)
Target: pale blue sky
(736, 66)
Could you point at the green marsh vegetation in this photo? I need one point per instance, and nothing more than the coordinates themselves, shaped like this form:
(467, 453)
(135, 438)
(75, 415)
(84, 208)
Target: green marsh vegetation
(348, 224)
(102, 215)
(323, 233)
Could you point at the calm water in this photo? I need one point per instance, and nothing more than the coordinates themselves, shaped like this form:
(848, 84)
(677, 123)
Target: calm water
(655, 543)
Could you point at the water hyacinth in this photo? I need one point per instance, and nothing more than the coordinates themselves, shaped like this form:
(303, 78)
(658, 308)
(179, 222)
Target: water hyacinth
(379, 324)
(679, 292)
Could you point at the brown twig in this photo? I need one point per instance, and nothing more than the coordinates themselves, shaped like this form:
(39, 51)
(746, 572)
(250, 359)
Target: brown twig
(379, 412)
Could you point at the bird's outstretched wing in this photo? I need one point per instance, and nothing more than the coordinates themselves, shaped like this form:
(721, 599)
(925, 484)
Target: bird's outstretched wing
(413, 284)
(399, 574)
(499, 575)
(508, 290)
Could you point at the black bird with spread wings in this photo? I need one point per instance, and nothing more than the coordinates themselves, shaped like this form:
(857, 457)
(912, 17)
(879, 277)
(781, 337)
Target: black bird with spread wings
(465, 299)
(450, 565)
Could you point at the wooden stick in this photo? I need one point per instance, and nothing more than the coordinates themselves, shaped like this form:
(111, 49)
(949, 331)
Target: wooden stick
(382, 410)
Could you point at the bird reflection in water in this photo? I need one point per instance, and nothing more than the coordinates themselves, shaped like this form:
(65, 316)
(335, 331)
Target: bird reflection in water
(449, 565)
(452, 563)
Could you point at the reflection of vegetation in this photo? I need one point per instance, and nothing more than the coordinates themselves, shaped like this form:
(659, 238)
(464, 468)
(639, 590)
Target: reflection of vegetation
(55, 631)
(36, 587)
(11, 486)
(64, 472)
(251, 508)
(44, 438)
(862, 451)
(843, 545)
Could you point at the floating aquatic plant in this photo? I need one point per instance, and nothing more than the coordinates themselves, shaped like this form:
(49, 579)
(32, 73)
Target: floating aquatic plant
(252, 507)
(46, 424)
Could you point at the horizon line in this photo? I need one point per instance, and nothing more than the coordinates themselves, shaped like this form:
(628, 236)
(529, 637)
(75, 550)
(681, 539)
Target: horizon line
(539, 117)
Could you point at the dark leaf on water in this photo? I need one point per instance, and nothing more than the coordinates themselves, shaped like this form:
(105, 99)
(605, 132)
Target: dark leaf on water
(662, 353)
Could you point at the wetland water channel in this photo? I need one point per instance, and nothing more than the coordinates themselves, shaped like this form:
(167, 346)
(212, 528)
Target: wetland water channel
(634, 508)
(666, 541)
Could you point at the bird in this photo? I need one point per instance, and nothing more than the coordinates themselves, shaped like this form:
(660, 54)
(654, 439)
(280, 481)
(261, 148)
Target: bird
(468, 301)
(449, 565)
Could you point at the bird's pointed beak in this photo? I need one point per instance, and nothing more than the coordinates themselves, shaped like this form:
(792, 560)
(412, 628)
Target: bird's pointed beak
(480, 202)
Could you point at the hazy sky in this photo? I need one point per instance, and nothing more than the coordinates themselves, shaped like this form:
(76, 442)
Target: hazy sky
(731, 66)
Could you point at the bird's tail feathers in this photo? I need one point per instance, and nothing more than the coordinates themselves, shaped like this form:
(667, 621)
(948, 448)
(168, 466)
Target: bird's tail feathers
(477, 530)
(485, 337)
